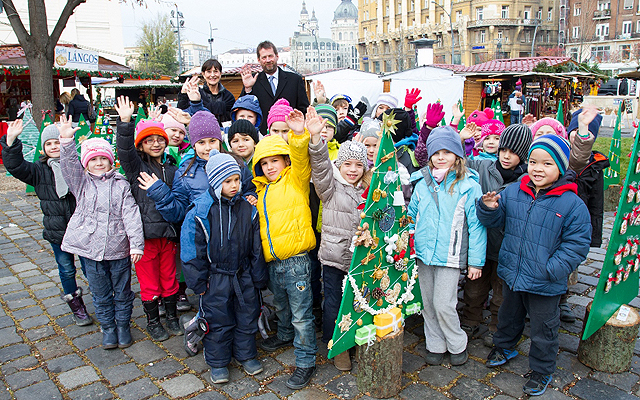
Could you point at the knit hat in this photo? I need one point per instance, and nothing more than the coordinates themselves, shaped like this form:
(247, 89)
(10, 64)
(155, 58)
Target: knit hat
(219, 167)
(169, 122)
(558, 147)
(95, 147)
(279, 111)
(49, 132)
(403, 128)
(204, 125)
(340, 96)
(594, 126)
(491, 127)
(553, 123)
(147, 127)
(351, 151)
(329, 113)
(480, 117)
(370, 128)
(444, 138)
(243, 126)
(517, 138)
(387, 99)
(247, 102)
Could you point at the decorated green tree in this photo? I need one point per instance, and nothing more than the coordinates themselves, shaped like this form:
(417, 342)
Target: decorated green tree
(140, 115)
(497, 110)
(463, 120)
(560, 113)
(612, 174)
(383, 277)
(31, 134)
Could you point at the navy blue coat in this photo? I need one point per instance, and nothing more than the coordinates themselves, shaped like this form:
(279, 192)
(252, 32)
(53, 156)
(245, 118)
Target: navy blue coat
(545, 237)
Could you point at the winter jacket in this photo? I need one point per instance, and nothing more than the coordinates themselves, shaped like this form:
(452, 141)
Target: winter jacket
(247, 102)
(485, 156)
(591, 190)
(134, 162)
(283, 205)
(78, 106)
(447, 231)
(340, 217)
(56, 211)
(218, 104)
(221, 237)
(405, 149)
(580, 153)
(546, 235)
(106, 224)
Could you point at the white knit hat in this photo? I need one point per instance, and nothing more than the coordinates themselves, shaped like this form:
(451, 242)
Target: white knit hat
(351, 151)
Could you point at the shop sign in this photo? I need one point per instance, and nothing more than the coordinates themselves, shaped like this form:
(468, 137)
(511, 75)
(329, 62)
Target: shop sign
(73, 58)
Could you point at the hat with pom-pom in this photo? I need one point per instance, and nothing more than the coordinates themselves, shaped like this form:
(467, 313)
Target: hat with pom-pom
(553, 123)
(491, 127)
(279, 111)
(557, 147)
(95, 147)
(480, 117)
(351, 151)
(219, 167)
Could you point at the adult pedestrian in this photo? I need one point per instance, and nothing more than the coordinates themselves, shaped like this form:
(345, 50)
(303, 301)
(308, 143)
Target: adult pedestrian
(78, 106)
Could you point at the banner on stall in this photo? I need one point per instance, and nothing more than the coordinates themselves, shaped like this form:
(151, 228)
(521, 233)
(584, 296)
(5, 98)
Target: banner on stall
(74, 58)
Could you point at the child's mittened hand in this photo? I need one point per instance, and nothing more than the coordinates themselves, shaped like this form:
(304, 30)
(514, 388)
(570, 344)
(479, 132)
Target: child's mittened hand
(468, 131)
(490, 199)
(252, 200)
(125, 108)
(146, 180)
(474, 273)
(66, 129)
(135, 258)
(412, 97)
(14, 130)
(433, 115)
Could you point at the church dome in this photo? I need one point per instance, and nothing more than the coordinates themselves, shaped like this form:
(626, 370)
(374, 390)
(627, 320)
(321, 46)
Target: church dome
(304, 9)
(346, 9)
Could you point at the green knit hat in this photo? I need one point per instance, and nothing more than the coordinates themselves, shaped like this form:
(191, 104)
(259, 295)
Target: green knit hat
(329, 113)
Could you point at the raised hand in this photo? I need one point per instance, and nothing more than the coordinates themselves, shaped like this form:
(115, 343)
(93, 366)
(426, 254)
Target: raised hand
(66, 128)
(490, 199)
(314, 124)
(318, 90)
(434, 115)
(14, 130)
(155, 113)
(125, 108)
(179, 115)
(146, 180)
(411, 98)
(248, 80)
(529, 119)
(468, 131)
(295, 120)
(193, 91)
(587, 115)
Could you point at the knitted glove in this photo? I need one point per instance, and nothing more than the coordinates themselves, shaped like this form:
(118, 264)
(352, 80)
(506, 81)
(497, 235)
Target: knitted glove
(434, 114)
(354, 114)
(412, 98)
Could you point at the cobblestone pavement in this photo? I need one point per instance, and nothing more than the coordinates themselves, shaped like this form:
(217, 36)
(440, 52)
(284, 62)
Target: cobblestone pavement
(43, 355)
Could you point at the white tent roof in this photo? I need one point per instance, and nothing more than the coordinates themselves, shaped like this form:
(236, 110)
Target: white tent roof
(353, 83)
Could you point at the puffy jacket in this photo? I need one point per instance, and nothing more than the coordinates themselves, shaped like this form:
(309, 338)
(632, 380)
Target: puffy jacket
(56, 211)
(546, 236)
(340, 216)
(78, 106)
(447, 231)
(133, 162)
(283, 205)
(485, 156)
(221, 237)
(106, 224)
(218, 104)
(580, 153)
(591, 190)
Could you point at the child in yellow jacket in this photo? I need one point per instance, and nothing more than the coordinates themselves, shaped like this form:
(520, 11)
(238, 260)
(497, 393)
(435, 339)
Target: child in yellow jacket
(282, 172)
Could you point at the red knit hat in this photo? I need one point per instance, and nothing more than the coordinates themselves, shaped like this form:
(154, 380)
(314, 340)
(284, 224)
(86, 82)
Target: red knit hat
(146, 128)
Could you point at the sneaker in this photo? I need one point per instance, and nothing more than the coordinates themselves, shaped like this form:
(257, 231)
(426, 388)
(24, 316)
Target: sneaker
(219, 375)
(566, 313)
(488, 339)
(300, 377)
(183, 303)
(537, 383)
(252, 367)
(499, 356)
(434, 358)
(273, 343)
(460, 358)
(471, 331)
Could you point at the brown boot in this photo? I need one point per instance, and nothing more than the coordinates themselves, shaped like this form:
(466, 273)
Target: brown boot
(342, 361)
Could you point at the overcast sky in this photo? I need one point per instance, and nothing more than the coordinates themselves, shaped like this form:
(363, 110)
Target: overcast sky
(240, 23)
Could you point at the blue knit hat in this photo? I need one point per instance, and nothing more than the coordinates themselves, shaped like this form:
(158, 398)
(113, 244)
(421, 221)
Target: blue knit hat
(444, 138)
(594, 126)
(219, 167)
(558, 147)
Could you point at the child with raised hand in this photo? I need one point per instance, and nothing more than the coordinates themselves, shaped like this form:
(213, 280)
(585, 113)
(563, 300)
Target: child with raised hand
(329, 114)
(277, 119)
(156, 271)
(494, 177)
(282, 173)
(490, 140)
(105, 229)
(546, 236)
(448, 238)
(56, 202)
(223, 262)
(548, 126)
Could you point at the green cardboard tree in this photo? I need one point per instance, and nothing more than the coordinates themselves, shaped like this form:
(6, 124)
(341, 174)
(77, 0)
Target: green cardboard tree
(560, 113)
(618, 283)
(383, 274)
(497, 110)
(140, 115)
(463, 120)
(612, 174)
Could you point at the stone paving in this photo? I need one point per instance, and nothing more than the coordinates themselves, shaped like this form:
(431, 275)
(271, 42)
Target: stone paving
(43, 355)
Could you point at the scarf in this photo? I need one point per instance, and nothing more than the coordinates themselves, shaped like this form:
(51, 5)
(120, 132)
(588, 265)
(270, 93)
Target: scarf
(61, 186)
(510, 175)
(439, 174)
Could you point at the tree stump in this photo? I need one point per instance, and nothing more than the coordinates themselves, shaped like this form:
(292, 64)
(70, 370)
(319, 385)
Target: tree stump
(380, 366)
(610, 348)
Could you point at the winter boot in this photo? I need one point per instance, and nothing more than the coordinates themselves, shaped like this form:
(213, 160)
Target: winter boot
(173, 325)
(183, 301)
(124, 334)
(80, 314)
(154, 327)
(109, 337)
(161, 310)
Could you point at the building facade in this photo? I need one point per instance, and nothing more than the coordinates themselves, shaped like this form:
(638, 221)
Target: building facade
(344, 31)
(239, 57)
(309, 51)
(194, 55)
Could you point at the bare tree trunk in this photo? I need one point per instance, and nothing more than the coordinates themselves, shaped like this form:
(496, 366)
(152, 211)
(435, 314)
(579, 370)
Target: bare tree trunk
(41, 76)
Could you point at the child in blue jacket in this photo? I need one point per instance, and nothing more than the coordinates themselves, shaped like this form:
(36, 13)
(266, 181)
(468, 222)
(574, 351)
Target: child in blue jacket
(223, 262)
(547, 232)
(448, 238)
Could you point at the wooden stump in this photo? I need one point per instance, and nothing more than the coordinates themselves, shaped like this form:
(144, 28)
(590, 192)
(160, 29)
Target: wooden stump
(612, 197)
(610, 348)
(380, 366)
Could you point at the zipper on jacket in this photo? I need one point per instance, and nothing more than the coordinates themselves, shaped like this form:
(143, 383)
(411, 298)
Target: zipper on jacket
(266, 217)
(521, 242)
(206, 237)
(104, 251)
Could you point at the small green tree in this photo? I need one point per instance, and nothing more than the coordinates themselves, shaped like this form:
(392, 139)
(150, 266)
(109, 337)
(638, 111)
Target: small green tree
(158, 43)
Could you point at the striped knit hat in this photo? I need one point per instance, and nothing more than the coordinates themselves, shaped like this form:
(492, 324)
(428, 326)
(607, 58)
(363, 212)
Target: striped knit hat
(557, 147)
(329, 113)
(517, 138)
(219, 167)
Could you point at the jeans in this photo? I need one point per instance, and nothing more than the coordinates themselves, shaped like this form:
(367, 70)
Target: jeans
(67, 268)
(110, 284)
(515, 117)
(332, 278)
(289, 281)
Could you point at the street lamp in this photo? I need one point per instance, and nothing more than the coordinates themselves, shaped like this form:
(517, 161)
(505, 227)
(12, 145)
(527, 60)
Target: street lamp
(450, 26)
(211, 39)
(179, 25)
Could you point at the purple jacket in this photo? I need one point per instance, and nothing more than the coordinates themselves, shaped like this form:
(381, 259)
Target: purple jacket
(106, 224)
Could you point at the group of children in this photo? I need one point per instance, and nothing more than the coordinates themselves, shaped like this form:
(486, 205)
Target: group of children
(228, 214)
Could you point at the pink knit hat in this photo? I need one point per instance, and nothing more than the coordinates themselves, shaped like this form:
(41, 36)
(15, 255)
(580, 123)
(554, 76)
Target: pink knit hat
(491, 127)
(279, 111)
(169, 122)
(553, 123)
(95, 147)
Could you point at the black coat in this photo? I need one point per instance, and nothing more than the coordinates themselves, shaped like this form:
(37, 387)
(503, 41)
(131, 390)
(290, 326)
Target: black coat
(591, 190)
(290, 87)
(56, 211)
(219, 104)
(79, 105)
(133, 162)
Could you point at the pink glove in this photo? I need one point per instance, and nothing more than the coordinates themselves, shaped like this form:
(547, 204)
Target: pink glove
(434, 114)
(412, 98)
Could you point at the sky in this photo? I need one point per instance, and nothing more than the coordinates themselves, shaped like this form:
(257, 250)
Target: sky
(241, 23)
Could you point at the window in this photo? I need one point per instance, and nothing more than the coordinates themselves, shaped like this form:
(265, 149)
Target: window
(638, 27)
(576, 10)
(479, 13)
(600, 53)
(625, 49)
(441, 18)
(505, 12)
(413, 5)
(539, 14)
(500, 34)
(628, 4)
(386, 11)
(527, 12)
(576, 32)
(602, 30)
(604, 5)
(366, 67)
(399, 7)
(387, 66)
(376, 67)
(573, 53)
(527, 36)
(550, 14)
(458, 16)
(626, 28)
(482, 36)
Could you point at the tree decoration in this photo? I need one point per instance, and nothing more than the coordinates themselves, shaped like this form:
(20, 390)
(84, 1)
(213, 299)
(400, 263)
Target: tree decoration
(612, 174)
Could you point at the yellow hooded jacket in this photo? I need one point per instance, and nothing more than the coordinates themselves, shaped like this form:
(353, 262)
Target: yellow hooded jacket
(283, 205)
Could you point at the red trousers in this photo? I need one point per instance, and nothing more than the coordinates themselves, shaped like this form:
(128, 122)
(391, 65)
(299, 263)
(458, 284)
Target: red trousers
(156, 270)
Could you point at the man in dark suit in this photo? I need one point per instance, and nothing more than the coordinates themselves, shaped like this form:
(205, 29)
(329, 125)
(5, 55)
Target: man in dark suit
(273, 83)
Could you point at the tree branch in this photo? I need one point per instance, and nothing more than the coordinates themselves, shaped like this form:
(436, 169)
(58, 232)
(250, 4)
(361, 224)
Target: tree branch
(62, 22)
(16, 22)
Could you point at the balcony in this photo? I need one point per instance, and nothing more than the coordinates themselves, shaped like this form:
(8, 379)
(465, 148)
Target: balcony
(602, 14)
(503, 22)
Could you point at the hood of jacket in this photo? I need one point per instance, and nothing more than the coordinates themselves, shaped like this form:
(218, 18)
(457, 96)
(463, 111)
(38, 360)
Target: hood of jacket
(566, 183)
(271, 145)
(247, 102)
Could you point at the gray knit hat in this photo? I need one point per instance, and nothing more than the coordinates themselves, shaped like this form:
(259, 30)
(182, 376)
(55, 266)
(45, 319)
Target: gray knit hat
(49, 132)
(351, 151)
(370, 128)
(445, 138)
(517, 138)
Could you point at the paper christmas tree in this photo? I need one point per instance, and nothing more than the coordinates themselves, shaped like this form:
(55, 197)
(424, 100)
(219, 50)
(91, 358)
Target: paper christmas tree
(383, 277)
(618, 283)
(463, 119)
(612, 174)
(497, 110)
(560, 113)
(141, 115)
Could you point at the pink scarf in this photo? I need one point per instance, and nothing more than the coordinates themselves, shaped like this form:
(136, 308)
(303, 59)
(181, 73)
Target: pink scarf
(439, 174)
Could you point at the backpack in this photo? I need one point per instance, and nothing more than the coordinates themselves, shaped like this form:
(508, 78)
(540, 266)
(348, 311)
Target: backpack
(91, 112)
